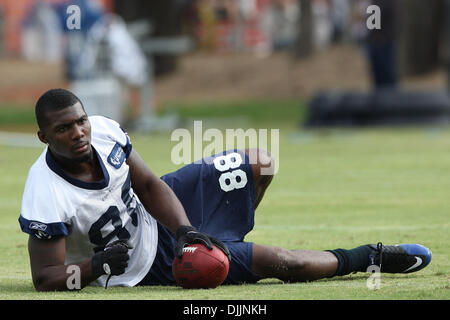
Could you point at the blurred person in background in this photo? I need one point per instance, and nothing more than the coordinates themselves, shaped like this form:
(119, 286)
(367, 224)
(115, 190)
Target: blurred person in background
(381, 45)
(41, 34)
(280, 22)
(76, 41)
(340, 16)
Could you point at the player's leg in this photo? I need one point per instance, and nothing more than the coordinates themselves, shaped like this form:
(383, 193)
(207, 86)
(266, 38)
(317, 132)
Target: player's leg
(263, 165)
(292, 265)
(304, 265)
(308, 265)
(274, 262)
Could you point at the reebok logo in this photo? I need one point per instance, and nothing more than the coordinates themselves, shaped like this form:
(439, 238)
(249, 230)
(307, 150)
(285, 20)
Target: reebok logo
(37, 226)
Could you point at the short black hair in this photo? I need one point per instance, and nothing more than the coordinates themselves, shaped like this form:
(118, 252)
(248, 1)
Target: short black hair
(53, 100)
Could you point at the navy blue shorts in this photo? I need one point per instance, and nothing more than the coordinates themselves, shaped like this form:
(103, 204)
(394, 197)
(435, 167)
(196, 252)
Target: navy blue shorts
(218, 194)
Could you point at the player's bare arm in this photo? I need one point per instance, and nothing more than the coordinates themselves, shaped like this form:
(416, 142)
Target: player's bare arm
(50, 273)
(48, 270)
(156, 196)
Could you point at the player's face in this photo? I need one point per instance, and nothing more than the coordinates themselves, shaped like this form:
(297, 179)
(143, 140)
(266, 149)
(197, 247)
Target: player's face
(68, 134)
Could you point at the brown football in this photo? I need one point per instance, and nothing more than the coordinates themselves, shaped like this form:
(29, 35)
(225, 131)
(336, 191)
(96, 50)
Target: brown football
(200, 268)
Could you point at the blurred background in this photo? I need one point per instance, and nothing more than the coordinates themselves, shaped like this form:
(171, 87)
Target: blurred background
(144, 62)
(362, 114)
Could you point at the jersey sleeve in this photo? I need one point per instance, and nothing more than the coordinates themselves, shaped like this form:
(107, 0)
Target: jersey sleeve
(106, 128)
(128, 146)
(42, 214)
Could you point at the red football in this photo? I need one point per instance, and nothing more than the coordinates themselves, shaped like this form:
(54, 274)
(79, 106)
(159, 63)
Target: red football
(200, 268)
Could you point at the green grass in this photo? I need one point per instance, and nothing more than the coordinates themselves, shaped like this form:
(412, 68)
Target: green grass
(334, 189)
(248, 112)
(16, 114)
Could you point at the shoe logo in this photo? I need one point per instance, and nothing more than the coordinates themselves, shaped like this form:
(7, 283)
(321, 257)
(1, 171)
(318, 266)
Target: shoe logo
(418, 263)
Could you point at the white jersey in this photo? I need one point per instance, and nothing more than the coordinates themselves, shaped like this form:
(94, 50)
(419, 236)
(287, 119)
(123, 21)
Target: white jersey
(93, 214)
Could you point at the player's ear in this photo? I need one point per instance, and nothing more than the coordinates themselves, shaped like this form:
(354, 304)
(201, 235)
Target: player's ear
(42, 137)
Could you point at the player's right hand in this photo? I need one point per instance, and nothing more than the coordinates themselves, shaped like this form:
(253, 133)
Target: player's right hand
(113, 260)
(187, 235)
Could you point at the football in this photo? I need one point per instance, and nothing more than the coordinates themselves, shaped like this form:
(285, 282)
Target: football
(200, 268)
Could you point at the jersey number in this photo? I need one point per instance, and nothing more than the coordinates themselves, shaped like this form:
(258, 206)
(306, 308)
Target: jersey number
(113, 215)
(234, 179)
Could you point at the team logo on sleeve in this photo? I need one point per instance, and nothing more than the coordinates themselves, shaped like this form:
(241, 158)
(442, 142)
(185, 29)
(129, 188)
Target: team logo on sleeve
(117, 156)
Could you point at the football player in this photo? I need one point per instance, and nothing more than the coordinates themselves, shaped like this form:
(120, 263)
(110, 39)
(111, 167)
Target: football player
(91, 201)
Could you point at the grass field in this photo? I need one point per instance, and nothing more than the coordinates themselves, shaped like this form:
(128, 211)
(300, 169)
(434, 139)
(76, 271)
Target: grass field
(334, 189)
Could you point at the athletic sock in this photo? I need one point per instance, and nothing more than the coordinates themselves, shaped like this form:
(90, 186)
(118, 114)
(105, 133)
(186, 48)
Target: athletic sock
(352, 260)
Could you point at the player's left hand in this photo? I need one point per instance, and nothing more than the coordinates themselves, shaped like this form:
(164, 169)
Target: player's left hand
(187, 235)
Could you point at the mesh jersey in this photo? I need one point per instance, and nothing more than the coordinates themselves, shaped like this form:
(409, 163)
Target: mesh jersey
(92, 214)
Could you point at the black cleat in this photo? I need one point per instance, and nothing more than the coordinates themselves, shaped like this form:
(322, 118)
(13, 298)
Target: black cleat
(401, 258)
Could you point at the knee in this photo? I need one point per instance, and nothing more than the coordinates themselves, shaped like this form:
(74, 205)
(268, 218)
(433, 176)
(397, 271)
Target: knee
(263, 165)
